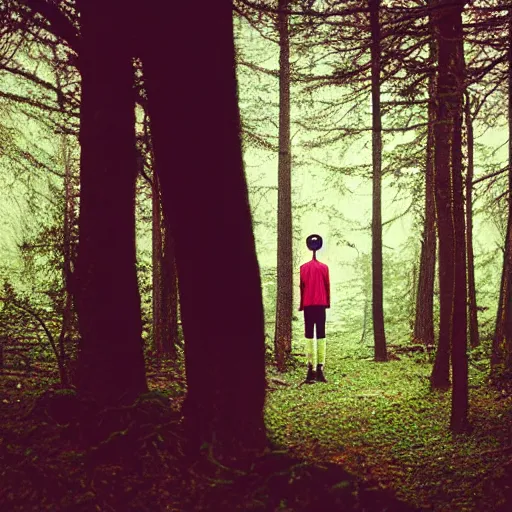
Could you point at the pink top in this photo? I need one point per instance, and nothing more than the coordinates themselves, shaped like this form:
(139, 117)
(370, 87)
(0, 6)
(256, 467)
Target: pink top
(314, 285)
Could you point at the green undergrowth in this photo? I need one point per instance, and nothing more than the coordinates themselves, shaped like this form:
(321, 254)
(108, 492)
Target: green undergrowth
(60, 452)
(372, 434)
(382, 421)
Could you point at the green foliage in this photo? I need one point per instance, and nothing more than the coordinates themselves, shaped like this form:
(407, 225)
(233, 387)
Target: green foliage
(382, 421)
(144, 277)
(488, 264)
(400, 288)
(19, 326)
(36, 281)
(269, 293)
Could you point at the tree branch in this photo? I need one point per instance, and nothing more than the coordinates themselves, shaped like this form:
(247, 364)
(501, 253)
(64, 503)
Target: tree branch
(305, 12)
(491, 175)
(60, 24)
(39, 320)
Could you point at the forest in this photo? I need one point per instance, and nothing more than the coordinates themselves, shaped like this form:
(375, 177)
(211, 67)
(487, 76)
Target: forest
(166, 169)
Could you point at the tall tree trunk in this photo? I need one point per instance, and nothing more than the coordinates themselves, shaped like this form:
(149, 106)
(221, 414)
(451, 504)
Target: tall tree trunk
(424, 322)
(197, 143)
(165, 289)
(111, 363)
(499, 331)
(502, 343)
(377, 277)
(450, 202)
(284, 300)
(440, 376)
(157, 256)
(169, 313)
(474, 337)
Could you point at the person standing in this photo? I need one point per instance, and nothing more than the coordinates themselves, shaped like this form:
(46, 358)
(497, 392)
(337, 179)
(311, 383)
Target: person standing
(315, 298)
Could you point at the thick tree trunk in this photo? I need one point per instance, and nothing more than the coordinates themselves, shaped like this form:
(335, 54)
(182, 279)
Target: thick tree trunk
(111, 363)
(501, 357)
(196, 140)
(157, 256)
(169, 313)
(474, 337)
(424, 322)
(460, 400)
(450, 202)
(377, 277)
(165, 289)
(284, 299)
(440, 377)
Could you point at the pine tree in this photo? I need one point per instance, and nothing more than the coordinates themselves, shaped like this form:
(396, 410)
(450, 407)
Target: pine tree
(284, 299)
(447, 20)
(377, 278)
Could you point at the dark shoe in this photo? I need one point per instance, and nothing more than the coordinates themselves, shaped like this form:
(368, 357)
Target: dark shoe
(311, 376)
(320, 373)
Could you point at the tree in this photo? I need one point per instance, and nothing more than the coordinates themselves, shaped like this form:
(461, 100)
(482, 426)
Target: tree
(474, 338)
(110, 364)
(169, 286)
(447, 21)
(440, 376)
(377, 278)
(157, 257)
(49, 248)
(68, 250)
(424, 319)
(284, 300)
(165, 289)
(501, 356)
(205, 203)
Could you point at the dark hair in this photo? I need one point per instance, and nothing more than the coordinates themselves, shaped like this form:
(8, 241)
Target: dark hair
(314, 242)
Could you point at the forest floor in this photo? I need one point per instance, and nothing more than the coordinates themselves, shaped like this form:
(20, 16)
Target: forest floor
(382, 422)
(373, 438)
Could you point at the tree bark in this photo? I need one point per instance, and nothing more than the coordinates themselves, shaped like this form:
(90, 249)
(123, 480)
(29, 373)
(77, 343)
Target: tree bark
(424, 321)
(284, 299)
(440, 376)
(377, 273)
(111, 363)
(169, 313)
(501, 356)
(197, 143)
(474, 337)
(165, 289)
(157, 256)
(450, 203)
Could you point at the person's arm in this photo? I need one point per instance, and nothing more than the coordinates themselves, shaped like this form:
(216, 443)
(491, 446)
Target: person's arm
(328, 287)
(301, 285)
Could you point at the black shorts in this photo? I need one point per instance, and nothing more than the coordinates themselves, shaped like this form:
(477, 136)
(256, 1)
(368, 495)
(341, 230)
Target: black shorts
(314, 315)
